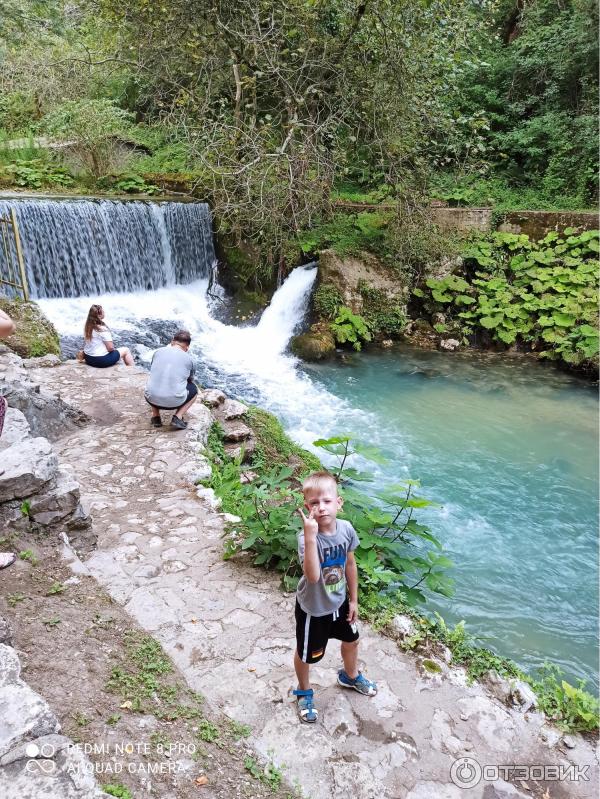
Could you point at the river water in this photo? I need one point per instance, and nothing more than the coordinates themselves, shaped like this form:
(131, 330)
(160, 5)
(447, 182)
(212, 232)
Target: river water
(505, 445)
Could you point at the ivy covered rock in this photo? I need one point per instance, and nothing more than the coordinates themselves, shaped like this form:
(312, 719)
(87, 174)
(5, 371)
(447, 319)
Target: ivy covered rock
(35, 334)
(315, 345)
(366, 287)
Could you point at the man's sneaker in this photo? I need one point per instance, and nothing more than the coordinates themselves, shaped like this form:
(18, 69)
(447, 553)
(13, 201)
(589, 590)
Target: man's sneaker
(156, 421)
(360, 683)
(178, 423)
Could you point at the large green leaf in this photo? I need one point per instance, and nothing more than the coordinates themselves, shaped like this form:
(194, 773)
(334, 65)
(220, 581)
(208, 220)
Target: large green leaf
(490, 322)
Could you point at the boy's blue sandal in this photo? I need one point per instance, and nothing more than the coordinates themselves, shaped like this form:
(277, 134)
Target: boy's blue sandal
(360, 683)
(306, 709)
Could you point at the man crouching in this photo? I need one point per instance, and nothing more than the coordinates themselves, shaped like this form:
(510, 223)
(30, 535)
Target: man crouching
(170, 386)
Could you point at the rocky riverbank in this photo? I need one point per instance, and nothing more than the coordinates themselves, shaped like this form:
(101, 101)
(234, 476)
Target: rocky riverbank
(157, 561)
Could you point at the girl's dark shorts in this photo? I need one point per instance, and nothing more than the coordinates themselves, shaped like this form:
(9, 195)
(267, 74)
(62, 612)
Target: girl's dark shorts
(102, 361)
(313, 632)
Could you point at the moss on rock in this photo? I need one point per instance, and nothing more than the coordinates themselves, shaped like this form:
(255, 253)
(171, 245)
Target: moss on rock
(315, 345)
(35, 335)
(274, 447)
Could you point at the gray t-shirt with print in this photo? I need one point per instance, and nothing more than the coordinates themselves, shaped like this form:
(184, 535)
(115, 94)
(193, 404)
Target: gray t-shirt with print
(328, 594)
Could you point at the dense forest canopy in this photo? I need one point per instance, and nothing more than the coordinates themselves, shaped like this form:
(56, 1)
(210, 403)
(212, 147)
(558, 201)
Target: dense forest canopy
(271, 108)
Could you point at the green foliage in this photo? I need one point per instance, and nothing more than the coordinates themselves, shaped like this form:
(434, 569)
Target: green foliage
(14, 599)
(270, 774)
(118, 790)
(348, 234)
(524, 105)
(383, 315)
(350, 328)
(207, 731)
(36, 173)
(134, 184)
(570, 707)
(327, 300)
(214, 442)
(539, 294)
(29, 555)
(143, 683)
(474, 190)
(92, 125)
(273, 447)
(393, 557)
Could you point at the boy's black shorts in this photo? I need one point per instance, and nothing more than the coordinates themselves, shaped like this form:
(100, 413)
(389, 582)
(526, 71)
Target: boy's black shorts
(313, 632)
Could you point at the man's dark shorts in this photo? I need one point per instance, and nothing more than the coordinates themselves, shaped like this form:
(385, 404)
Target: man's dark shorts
(313, 632)
(192, 390)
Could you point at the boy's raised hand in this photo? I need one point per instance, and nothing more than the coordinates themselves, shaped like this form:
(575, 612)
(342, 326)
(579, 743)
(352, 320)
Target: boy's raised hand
(311, 528)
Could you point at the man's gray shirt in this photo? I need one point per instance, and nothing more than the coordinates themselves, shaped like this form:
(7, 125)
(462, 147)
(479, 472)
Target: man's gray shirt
(169, 373)
(328, 594)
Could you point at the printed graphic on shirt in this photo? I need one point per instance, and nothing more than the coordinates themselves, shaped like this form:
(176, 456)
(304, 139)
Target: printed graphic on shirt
(333, 568)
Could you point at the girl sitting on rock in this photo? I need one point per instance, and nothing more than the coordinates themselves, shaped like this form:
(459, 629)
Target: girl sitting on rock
(99, 349)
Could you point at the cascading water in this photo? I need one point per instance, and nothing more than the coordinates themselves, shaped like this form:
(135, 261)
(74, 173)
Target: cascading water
(517, 512)
(82, 247)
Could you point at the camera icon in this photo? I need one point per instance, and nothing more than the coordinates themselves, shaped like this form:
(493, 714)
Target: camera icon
(40, 759)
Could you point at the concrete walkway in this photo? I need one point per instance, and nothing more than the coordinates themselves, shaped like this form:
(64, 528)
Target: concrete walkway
(230, 629)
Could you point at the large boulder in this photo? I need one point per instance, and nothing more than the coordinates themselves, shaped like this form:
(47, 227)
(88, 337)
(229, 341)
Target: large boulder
(47, 414)
(315, 345)
(355, 278)
(35, 335)
(27, 468)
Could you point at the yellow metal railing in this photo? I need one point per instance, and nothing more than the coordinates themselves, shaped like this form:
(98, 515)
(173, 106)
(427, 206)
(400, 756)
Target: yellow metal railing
(12, 265)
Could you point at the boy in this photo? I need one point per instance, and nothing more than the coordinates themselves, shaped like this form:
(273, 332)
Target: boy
(323, 609)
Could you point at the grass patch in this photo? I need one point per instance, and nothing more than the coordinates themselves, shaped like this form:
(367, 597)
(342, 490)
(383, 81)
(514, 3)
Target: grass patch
(144, 684)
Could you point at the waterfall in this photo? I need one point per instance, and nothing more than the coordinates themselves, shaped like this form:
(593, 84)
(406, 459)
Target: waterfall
(73, 248)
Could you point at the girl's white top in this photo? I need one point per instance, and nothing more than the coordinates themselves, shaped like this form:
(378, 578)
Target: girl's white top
(95, 346)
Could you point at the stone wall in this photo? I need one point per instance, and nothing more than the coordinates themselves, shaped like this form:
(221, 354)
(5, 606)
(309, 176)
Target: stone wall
(536, 224)
(462, 219)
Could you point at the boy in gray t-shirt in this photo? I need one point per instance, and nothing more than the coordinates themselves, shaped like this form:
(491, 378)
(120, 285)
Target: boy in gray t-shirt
(324, 609)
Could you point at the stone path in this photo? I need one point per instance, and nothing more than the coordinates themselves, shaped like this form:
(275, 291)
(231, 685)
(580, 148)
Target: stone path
(230, 629)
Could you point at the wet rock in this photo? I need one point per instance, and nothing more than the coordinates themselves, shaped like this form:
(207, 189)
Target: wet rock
(449, 344)
(387, 343)
(315, 345)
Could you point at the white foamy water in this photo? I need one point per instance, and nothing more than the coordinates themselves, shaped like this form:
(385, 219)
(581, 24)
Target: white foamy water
(248, 361)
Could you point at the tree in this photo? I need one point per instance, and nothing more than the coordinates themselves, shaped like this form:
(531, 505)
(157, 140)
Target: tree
(91, 126)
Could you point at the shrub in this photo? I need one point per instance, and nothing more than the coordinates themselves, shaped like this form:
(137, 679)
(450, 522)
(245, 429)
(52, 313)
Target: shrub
(351, 328)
